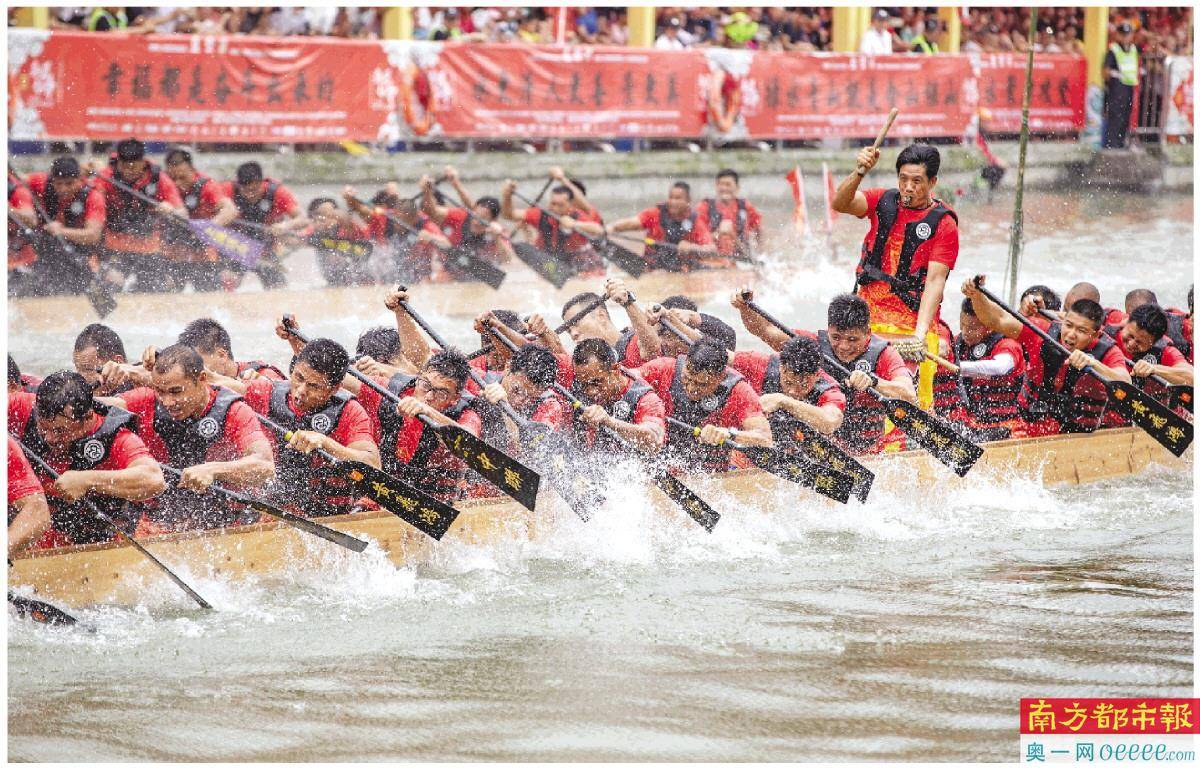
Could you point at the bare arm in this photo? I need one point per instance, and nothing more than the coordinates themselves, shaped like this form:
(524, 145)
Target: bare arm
(649, 346)
(226, 212)
(416, 349)
(756, 324)
(506, 203)
(755, 431)
(989, 313)
(452, 177)
(931, 298)
(253, 468)
(847, 199)
(628, 223)
(900, 386)
(825, 419)
(140, 480)
(31, 520)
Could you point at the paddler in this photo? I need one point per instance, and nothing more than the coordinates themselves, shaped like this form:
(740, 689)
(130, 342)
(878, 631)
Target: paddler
(687, 241)
(399, 225)
(263, 203)
(873, 362)
(792, 386)
(733, 221)
(1143, 339)
(992, 372)
(474, 228)
(634, 345)
(526, 387)
(910, 247)
(208, 433)
(204, 198)
(94, 449)
(561, 229)
(28, 509)
(77, 214)
(628, 407)
(212, 342)
(94, 347)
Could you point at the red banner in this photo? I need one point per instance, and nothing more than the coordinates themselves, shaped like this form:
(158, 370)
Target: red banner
(65, 85)
(1056, 103)
(789, 96)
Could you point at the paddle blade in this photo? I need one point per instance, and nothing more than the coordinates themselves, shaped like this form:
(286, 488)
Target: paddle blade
(343, 246)
(39, 611)
(466, 262)
(1182, 395)
(824, 481)
(549, 452)
(688, 500)
(311, 527)
(1163, 425)
(509, 476)
(823, 451)
(234, 246)
(426, 513)
(544, 264)
(623, 258)
(100, 298)
(935, 437)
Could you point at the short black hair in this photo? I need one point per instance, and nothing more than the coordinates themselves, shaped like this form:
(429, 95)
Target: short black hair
(107, 342)
(687, 188)
(535, 362)
(707, 356)
(1139, 297)
(562, 190)
(206, 336)
(178, 155)
(1090, 310)
(1151, 319)
(800, 355)
(249, 172)
(325, 357)
(131, 149)
(452, 364)
(386, 199)
(680, 302)
(967, 307)
(14, 371)
(849, 311)
(582, 298)
(183, 356)
(594, 349)
(491, 203)
(315, 203)
(65, 167)
(61, 390)
(510, 319)
(1049, 296)
(717, 330)
(578, 184)
(731, 173)
(922, 154)
(379, 342)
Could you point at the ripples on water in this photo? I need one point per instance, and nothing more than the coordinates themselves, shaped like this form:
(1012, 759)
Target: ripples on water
(896, 629)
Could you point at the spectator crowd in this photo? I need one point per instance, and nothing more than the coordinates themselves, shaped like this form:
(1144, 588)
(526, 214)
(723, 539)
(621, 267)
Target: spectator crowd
(900, 29)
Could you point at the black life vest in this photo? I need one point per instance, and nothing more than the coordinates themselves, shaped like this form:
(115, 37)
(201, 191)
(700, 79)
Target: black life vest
(1152, 356)
(192, 195)
(680, 440)
(132, 214)
(257, 211)
(1175, 333)
(622, 346)
(675, 231)
(990, 400)
(739, 222)
(73, 214)
(624, 408)
(248, 369)
(863, 426)
(444, 483)
(187, 443)
(1076, 411)
(906, 284)
(771, 382)
(75, 520)
(305, 481)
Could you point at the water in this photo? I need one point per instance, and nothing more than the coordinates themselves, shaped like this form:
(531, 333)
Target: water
(903, 629)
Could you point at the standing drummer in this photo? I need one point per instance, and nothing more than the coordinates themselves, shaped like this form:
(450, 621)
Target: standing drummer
(910, 248)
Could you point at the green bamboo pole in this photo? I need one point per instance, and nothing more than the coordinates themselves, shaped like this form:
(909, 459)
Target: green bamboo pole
(1016, 241)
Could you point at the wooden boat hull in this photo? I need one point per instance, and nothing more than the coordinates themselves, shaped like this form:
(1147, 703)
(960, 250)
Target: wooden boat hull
(113, 573)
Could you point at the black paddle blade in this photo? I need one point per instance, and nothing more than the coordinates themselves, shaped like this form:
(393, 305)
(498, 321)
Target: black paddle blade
(466, 261)
(39, 611)
(824, 481)
(428, 514)
(1181, 395)
(100, 298)
(623, 258)
(509, 476)
(823, 451)
(544, 264)
(938, 439)
(688, 500)
(550, 453)
(311, 527)
(1163, 425)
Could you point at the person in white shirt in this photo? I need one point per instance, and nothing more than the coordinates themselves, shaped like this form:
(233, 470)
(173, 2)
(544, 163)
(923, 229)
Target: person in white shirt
(669, 39)
(878, 38)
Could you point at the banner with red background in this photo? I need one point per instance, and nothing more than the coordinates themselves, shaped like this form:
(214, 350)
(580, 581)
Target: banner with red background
(71, 85)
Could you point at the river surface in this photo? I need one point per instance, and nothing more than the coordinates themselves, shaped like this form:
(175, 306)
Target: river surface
(905, 628)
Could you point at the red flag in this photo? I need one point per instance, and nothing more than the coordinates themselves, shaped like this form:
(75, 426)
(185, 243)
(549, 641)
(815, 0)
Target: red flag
(799, 213)
(830, 214)
(987, 151)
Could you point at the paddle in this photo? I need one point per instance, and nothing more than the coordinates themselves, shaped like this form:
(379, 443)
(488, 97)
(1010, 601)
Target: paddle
(299, 522)
(703, 513)
(233, 245)
(794, 468)
(1180, 394)
(578, 316)
(98, 294)
(122, 533)
(541, 193)
(1163, 425)
(425, 512)
(463, 258)
(935, 437)
(509, 476)
(39, 611)
(674, 247)
(622, 257)
(670, 326)
(883, 132)
(824, 451)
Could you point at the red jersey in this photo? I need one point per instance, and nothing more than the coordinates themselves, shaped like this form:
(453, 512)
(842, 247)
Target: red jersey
(755, 366)
(745, 217)
(72, 211)
(741, 404)
(277, 204)
(22, 481)
(941, 246)
(250, 370)
(20, 252)
(131, 226)
(353, 423)
(203, 198)
(659, 226)
(1081, 397)
(649, 410)
(240, 431)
